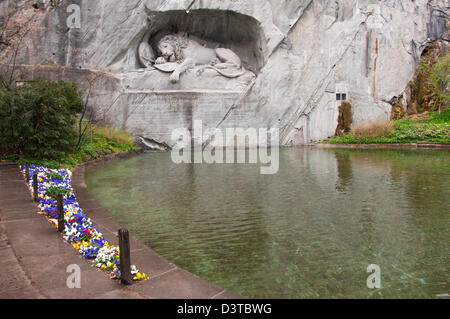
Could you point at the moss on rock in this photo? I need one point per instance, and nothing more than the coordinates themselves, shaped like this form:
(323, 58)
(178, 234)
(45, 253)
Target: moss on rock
(422, 95)
(397, 112)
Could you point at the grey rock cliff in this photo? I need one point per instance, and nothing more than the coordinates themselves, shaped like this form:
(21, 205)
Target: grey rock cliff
(302, 52)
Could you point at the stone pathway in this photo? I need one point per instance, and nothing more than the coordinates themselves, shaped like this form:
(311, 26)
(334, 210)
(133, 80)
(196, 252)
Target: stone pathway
(34, 257)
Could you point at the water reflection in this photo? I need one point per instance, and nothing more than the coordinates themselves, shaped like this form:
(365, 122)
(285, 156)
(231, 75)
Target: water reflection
(344, 171)
(309, 231)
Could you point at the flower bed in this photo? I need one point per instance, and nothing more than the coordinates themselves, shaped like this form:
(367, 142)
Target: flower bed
(79, 230)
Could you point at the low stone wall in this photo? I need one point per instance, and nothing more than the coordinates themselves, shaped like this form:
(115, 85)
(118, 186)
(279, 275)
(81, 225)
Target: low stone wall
(430, 146)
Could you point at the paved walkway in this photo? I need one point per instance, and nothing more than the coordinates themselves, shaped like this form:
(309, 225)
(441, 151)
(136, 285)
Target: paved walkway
(34, 257)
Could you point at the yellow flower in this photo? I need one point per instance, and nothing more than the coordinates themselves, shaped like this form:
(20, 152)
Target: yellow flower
(139, 276)
(103, 267)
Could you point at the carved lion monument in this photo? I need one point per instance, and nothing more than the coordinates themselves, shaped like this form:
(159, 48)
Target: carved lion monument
(177, 54)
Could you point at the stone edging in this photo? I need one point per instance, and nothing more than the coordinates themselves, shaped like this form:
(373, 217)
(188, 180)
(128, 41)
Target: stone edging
(423, 146)
(167, 281)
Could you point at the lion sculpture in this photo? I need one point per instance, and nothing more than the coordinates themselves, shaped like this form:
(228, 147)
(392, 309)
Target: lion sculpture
(177, 54)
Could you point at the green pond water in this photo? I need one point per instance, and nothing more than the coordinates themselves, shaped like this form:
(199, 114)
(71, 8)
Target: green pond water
(309, 231)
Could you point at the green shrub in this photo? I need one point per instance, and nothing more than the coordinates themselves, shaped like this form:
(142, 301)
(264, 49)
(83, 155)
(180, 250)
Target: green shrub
(38, 118)
(51, 164)
(440, 80)
(54, 191)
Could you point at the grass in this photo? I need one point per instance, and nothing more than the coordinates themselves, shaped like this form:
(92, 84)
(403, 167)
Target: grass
(105, 140)
(434, 129)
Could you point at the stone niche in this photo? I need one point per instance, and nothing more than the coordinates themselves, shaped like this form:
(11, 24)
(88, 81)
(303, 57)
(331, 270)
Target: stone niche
(152, 105)
(235, 34)
(240, 33)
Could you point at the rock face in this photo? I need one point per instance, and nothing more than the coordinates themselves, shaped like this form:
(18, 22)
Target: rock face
(302, 57)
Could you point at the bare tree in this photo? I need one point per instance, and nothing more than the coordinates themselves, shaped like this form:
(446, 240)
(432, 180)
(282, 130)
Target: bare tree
(17, 20)
(87, 110)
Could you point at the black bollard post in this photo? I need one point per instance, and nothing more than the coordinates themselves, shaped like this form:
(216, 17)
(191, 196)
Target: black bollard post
(61, 223)
(125, 259)
(21, 161)
(35, 187)
(27, 172)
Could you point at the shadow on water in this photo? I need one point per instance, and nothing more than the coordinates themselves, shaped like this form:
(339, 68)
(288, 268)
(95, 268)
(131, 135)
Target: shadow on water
(309, 231)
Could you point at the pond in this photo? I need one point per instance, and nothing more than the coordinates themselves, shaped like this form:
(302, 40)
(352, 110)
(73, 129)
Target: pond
(310, 231)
